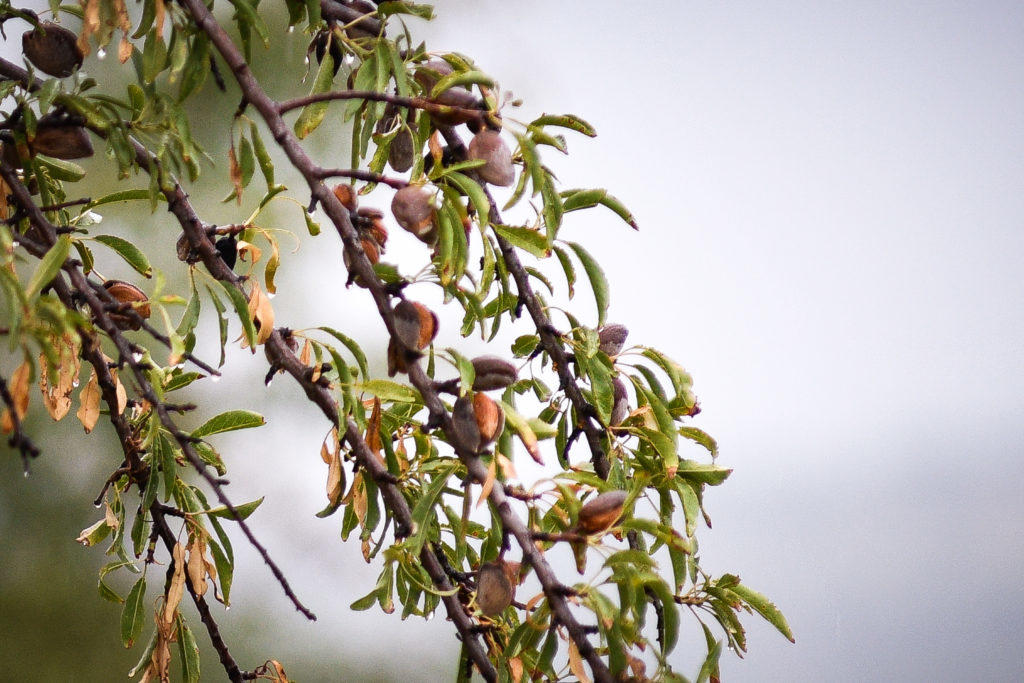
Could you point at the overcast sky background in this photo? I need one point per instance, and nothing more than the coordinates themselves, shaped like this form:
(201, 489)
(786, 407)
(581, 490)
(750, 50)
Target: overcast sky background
(831, 203)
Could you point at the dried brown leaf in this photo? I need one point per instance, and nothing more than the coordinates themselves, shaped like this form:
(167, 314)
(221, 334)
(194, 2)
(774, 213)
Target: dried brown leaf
(89, 399)
(262, 314)
(18, 388)
(177, 588)
(492, 475)
(576, 663)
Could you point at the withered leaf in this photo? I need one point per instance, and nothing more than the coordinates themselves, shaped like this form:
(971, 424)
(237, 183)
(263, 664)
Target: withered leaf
(89, 398)
(177, 588)
(262, 314)
(235, 172)
(18, 388)
(492, 474)
(576, 663)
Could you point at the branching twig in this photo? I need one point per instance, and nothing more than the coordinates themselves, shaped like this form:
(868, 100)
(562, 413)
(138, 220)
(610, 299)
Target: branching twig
(549, 339)
(355, 174)
(372, 95)
(253, 92)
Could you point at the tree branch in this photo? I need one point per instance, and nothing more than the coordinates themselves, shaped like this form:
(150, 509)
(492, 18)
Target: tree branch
(268, 109)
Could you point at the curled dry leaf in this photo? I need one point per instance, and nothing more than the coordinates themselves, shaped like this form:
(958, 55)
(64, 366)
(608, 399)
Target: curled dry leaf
(57, 397)
(262, 314)
(18, 388)
(492, 475)
(576, 663)
(176, 588)
(89, 400)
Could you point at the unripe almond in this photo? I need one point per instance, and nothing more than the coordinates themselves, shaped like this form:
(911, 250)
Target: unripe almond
(415, 325)
(396, 360)
(466, 430)
(62, 141)
(413, 208)
(490, 419)
(126, 293)
(495, 590)
(346, 194)
(620, 403)
(493, 373)
(53, 49)
(497, 157)
(401, 154)
(612, 338)
(601, 512)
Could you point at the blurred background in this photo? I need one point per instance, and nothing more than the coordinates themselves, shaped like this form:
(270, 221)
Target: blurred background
(831, 202)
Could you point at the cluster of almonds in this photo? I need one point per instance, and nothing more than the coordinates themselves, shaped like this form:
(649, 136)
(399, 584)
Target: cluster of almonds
(53, 50)
(369, 225)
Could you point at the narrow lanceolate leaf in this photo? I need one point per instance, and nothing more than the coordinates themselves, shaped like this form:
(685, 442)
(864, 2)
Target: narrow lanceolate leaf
(569, 121)
(462, 78)
(521, 427)
(241, 306)
(189, 653)
(387, 390)
(474, 192)
(701, 437)
(243, 510)
(132, 255)
(49, 266)
(313, 115)
(585, 199)
(763, 606)
(134, 613)
(121, 196)
(525, 238)
(230, 421)
(598, 281)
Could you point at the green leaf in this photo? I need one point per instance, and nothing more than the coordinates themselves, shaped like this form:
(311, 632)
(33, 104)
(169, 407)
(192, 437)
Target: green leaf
(262, 156)
(246, 161)
(387, 390)
(763, 606)
(458, 78)
(134, 613)
(313, 114)
(49, 266)
(525, 238)
(585, 199)
(474, 192)
(229, 422)
(701, 437)
(353, 348)
(243, 510)
(189, 653)
(567, 267)
(569, 121)
(132, 255)
(598, 281)
(312, 226)
(242, 309)
(122, 196)
(386, 9)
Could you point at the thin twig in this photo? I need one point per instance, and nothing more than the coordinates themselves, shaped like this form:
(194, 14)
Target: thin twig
(549, 339)
(356, 174)
(371, 95)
